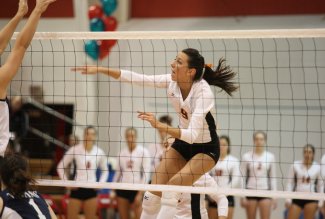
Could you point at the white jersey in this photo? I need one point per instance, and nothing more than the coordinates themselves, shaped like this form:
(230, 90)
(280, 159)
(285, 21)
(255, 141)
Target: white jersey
(301, 179)
(133, 166)
(227, 172)
(4, 126)
(86, 163)
(156, 152)
(195, 117)
(259, 171)
(323, 169)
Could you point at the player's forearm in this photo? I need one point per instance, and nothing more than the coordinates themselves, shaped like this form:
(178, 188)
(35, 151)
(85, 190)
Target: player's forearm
(114, 73)
(174, 132)
(7, 32)
(26, 35)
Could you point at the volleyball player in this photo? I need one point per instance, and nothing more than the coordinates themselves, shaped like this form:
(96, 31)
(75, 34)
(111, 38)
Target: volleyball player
(10, 67)
(18, 200)
(304, 176)
(258, 169)
(87, 157)
(196, 149)
(227, 175)
(134, 165)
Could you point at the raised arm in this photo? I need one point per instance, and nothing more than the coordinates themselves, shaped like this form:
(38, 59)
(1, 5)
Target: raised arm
(10, 68)
(8, 30)
(160, 81)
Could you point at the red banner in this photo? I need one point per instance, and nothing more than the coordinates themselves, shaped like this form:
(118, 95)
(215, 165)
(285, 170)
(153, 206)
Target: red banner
(207, 8)
(59, 9)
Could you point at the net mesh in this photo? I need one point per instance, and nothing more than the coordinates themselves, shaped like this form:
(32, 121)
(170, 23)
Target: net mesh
(282, 86)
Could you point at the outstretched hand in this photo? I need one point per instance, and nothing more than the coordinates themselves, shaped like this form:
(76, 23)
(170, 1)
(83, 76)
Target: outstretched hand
(87, 70)
(22, 8)
(42, 5)
(149, 117)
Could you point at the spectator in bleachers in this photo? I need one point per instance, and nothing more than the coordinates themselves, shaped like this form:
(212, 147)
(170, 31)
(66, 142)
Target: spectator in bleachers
(259, 172)
(227, 175)
(88, 157)
(134, 164)
(304, 176)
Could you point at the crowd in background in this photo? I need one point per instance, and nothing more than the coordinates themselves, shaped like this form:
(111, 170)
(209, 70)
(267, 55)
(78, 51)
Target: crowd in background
(256, 170)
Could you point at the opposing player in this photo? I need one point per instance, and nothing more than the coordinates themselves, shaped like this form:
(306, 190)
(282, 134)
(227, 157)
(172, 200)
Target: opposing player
(227, 175)
(134, 165)
(304, 176)
(196, 148)
(10, 67)
(258, 169)
(18, 200)
(88, 158)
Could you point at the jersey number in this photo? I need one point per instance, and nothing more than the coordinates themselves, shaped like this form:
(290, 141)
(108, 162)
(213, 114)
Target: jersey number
(36, 208)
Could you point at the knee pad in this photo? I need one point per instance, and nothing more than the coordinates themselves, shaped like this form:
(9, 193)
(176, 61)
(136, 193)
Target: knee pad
(222, 202)
(170, 198)
(151, 203)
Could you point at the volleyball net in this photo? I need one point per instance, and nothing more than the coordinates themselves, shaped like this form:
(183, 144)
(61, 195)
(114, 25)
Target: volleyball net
(281, 74)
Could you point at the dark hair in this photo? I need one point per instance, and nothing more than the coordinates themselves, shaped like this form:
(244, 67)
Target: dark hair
(260, 132)
(90, 127)
(221, 77)
(312, 147)
(15, 176)
(131, 129)
(166, 119)
(226, 137)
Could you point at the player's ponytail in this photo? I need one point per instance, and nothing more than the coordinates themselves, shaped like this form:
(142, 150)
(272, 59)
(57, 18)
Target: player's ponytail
(15, 175)
(221, 77)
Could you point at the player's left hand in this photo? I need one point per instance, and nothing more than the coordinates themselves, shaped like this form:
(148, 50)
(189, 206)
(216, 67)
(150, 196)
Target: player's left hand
(149, 117)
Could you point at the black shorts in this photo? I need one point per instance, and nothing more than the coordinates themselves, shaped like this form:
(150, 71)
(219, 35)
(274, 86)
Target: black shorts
(127, 194)
(188, 151)
(231, 202)
(258, 199)
(301, 203)
(83, 194)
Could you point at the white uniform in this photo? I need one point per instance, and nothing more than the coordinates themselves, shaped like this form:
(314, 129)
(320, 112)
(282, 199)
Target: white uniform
(4, 126)
(133, 166)
(259, 171)
(301, 179)
(323, 169)
(189, 205)
(192, 111)
(227, 172)
(86, 163)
